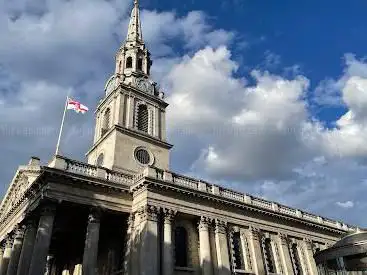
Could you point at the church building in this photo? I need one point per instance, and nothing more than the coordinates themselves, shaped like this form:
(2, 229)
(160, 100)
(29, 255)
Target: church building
(125, 212)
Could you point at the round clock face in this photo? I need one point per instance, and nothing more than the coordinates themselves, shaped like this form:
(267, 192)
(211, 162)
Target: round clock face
(144, 85)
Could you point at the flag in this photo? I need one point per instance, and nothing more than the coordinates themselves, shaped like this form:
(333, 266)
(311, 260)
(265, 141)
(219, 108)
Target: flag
(76, 106)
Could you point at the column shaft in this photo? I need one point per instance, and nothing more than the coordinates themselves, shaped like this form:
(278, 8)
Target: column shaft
(6, 256)
(149, 249)
(221, 244)
(2, 248)
(285, 254)
(16, 250)
(256, 251)
(309, 257)
(42, 242)
(129, 243)
(27, 248)
(91, 244)
(168, 264)
(205, 254)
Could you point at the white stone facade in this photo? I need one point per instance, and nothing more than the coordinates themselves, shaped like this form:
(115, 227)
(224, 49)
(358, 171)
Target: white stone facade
(125, 212)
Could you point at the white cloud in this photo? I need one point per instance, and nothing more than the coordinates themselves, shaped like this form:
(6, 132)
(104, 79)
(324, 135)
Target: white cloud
(347, 204)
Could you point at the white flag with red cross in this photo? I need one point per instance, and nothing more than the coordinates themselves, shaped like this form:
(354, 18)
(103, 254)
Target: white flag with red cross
(76, 106)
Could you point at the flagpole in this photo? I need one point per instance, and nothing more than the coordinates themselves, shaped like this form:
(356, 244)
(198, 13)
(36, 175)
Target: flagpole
(61, 127)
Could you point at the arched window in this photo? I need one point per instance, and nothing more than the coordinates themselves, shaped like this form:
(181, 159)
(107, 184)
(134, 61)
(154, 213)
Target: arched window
(100, 160)
(237, 252)
(181, 247)
(295, 260)
(268, 256)
(140, 64)
(106, 121)
(142, 118)
(129, 62)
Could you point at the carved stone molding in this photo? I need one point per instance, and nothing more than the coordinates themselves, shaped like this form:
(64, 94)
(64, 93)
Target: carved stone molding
(169, 215)
(283, 238)
(130, 220)
(9, 241)
(149, 212)
(94, 215)
(19, 231)
(308, 243)
(204, 223)
(255, 233)
(220, 227)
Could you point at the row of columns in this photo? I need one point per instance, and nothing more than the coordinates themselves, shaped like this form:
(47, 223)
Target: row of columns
(26, 250)
(142, 254)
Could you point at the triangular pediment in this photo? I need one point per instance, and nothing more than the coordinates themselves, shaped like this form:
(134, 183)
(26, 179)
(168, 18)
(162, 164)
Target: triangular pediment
(22, 180)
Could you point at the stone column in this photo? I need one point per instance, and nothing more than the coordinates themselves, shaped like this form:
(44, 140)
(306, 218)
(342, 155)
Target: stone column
(17, 248)
(285, 254)
(91, 243)
(168, 264)
(135, 249)
(221, 244)
(43, 240)
(309, 257)
(7, 255)
(149, 245)
(2, 248)
(256, 251)
(204, 243)
(129, 243)
(27, 248)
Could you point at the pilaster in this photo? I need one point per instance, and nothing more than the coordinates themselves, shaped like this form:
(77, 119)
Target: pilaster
(255, 248)
(91, 243)
(204, 243)
(16, 250)
(244, 237)
(43, 240)
(2, 248)
(221, 244)
(168, 264)
(285, 254)
(309, 257)
(302, 256)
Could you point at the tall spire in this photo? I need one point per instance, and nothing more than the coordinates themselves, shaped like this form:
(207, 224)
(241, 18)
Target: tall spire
(134, 32)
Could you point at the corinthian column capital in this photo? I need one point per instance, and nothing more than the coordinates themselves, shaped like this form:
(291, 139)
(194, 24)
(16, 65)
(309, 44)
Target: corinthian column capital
(283, 238)
(220, 227)
(169, 215)
(149, 212)
(255, 233)
(204, 223)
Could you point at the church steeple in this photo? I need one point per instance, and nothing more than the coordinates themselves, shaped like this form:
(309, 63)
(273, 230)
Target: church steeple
(134, 33)
(133, 58)
(130, 131)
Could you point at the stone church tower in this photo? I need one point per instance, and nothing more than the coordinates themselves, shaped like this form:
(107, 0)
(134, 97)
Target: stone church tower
(125, 213)
(130, 130)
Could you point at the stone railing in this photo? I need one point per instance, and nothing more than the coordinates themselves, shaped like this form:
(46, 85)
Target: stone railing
(202, 186)
(89, 170)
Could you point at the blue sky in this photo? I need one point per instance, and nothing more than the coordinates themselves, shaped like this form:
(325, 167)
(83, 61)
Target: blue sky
(267, 97)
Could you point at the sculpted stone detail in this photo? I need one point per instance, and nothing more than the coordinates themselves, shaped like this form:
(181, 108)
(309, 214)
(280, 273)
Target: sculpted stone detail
(19, 231)
(283, 238)
(9, 241)
(308, 243)
(255, 233)
(169, 215)
(220, 227)
(48, 210)
(204, 223)
(149, 212)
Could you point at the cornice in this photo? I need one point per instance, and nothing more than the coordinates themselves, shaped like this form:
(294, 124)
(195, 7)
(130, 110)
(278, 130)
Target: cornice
(157, 183)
